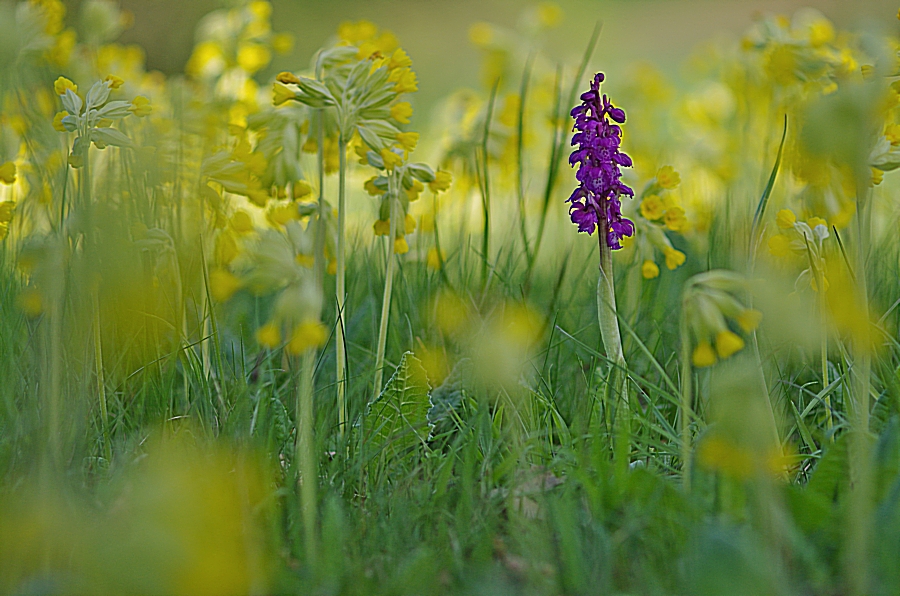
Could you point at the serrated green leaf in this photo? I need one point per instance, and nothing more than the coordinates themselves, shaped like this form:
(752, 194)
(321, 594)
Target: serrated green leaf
(398, 419)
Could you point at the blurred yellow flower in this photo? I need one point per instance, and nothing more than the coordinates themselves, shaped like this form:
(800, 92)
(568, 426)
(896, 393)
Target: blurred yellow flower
(412, 193)
(704, 355)
(675, 219)
(241, 223)
(401, 247)
(785, 219)
(649, 270)
(382, 227)
(399, 59)
(283, 43)
(668, 178)
(30, 302)
(674, 258)
(114, 81)
(253, 56)
(435, 259)
(779, 245)
(57, 121)
(481, 34)
(268, 336)
(405, 80)
(308, 334)
(728, 343)
(8, 173)
(749, 319)
(441, 181)
(391, 159)
(140, 106)
(222, 284)
(652, 207)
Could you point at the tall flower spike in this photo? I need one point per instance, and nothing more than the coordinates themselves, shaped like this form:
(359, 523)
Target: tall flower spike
(596, 200)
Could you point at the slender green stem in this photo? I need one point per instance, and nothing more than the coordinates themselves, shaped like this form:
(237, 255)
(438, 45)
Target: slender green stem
(857, 557)
(101, 377)
(686, 414)
(520, 159)
(339, 285)
(306, 453)
(388, 287)
(486, 186)
(612, 342)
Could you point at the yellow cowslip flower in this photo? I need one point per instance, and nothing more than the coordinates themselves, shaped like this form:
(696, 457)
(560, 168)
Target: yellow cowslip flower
(409, 224)
(812, 222)
(779, 245)
(268, 336)
(301, 189)
(114, 81)
(481, 34)
(332, 155)
(288, 78)
(668, 178)
(222, 284)
(441, 181)
(782, 64)
(8, 173)
(391, 159)
(703, 355)
(371, 188)
(226, 248)
(75, 160)
(62, 84)
(405, 80)
(401, 247)
(307, 335)
(649, 270)
(434, 259)
(877, 177)
(307, 261)
(382, 227)
(749, 319)
(6, 211)
(356, 32)
(140, 106)
(310, 145)
(399, 59)
(332, 267)
(283, 43)
(892, 134)
(280, 215)
(549, 14)
(815, 286)
(260, 9)
(408, 140)
(412, 193)
(30, 302)
(282, 94)
(716, 453)
(241, 222)
(785, 219)
(675, 219)
(820, 33)
(253, 56)
(652, 208)
(728, 343)
(674, 258)
(401, 112)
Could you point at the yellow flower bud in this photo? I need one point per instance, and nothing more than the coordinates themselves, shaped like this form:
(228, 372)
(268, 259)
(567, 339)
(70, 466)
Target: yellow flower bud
(280, 95)
(401, 247)
(288, 78)
(434, 259)
(749, 320)
(114, 81)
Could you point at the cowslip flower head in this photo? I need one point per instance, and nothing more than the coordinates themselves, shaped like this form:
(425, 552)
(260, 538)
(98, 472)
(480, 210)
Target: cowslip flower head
(595, 202)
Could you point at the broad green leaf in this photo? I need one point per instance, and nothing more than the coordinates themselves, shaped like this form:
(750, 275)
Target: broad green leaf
(398, 419)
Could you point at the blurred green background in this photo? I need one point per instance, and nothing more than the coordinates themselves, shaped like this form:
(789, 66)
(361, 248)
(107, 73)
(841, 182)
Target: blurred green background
(435, 32)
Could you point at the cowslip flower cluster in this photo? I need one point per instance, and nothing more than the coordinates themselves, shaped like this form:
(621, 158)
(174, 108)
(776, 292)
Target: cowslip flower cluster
(596, 200)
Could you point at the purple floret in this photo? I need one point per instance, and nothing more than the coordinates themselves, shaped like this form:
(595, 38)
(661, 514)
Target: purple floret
(598, 157)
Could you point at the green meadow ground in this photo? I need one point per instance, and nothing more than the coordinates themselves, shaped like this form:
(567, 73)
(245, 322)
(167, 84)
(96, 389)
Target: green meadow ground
(218, 374)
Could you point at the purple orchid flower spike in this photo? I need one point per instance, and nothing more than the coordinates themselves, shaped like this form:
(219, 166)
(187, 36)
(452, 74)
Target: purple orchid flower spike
(595, 202)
